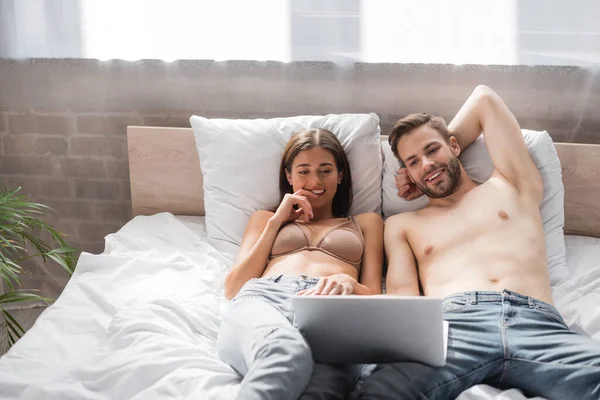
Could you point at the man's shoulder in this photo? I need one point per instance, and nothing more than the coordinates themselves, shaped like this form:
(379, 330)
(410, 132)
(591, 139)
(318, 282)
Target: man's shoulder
(402, 218)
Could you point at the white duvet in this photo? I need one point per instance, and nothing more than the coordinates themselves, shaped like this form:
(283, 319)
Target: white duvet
(140, 321)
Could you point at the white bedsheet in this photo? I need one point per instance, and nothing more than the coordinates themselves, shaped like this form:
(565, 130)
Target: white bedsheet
(140, 321)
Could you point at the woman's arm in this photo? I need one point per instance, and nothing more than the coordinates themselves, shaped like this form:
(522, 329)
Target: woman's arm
(371, 225)
(260, 234)
(256, 246)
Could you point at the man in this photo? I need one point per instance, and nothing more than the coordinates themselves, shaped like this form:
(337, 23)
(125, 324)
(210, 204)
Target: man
(481, 248)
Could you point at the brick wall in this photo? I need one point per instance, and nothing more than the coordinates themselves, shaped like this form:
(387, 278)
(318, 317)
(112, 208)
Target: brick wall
(63, 122)
(75, 163)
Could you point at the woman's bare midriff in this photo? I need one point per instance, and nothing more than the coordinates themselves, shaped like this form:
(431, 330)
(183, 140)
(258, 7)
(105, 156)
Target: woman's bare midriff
(310, 263)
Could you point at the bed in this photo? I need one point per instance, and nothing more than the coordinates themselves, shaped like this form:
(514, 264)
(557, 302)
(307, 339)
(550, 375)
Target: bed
(140, 320)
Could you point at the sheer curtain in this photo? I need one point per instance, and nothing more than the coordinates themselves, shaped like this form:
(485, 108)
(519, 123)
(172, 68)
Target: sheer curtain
(40, 29)
(508, 32)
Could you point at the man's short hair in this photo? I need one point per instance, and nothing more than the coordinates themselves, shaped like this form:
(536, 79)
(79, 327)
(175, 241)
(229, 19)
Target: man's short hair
(413, 121)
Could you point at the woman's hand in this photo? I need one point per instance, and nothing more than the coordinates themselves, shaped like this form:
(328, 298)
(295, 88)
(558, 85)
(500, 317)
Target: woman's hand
(286, 211)
(406, 187)
(339, 284)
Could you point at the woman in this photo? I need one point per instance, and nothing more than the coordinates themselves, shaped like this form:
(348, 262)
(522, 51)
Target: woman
(308, 246)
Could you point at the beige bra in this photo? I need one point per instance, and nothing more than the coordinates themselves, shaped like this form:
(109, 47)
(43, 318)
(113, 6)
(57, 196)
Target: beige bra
(344, 241)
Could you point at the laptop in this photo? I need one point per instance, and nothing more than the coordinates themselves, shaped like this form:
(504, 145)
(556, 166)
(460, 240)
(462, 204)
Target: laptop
(373, 329)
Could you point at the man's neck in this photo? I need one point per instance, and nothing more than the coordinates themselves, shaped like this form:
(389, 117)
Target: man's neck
(465, 187)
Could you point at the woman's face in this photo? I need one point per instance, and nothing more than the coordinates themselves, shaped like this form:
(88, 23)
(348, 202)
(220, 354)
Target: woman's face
(315, 170)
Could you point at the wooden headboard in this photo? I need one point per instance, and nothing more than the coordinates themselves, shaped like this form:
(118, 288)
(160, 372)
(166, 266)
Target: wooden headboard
(165, 175)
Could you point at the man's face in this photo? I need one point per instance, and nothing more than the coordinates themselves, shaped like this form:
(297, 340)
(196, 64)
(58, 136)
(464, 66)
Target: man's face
(432, 163)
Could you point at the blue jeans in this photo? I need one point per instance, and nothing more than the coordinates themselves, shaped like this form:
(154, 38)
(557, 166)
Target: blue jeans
(259, 338)
(502, 339)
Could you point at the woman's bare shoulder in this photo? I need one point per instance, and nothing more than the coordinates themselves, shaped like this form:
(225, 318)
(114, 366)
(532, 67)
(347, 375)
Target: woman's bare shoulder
(369, 219)
(262, 214)
(260, 218)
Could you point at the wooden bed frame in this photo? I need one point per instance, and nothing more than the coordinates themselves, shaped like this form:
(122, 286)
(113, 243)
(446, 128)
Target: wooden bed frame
(165, 175)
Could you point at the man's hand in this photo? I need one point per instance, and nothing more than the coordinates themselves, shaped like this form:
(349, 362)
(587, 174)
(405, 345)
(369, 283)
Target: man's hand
(339, 284)
(406, 187)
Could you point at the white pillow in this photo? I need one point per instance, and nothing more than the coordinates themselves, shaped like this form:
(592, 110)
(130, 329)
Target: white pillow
(479, 167)
(240, 165)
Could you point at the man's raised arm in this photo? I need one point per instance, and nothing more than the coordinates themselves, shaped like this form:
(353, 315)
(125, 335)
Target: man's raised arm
(485, 111)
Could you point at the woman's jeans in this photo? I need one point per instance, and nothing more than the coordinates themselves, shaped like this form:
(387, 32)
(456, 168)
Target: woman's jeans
(260, 340)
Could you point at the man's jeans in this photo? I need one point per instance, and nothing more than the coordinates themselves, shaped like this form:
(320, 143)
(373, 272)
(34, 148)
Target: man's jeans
(502, 339)
(260, 340)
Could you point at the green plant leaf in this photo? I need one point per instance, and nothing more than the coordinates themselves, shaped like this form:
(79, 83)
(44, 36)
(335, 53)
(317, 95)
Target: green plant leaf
(9, 317)
(21, 295)
(11, 339)
(9, 271)
(13, 325)
(63, 256)
(63, 261)
(21, 224)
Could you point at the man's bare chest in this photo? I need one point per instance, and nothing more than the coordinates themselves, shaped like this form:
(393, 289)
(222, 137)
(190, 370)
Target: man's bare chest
(489, 212)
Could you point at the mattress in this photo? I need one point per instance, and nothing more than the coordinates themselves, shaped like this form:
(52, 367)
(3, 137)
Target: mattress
(140, 320)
